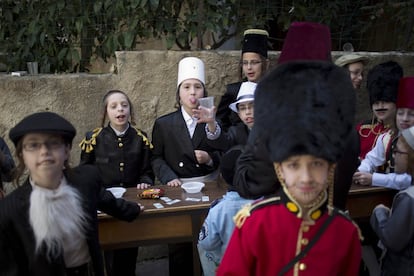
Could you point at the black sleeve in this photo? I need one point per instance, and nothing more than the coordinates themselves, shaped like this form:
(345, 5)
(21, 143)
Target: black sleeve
(7, 163)
(255, 175)
(345, 169)
(224, 114)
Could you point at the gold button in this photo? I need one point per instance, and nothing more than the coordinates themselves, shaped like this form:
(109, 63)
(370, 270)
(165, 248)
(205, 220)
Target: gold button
(121, 164)
(197, 165)
(121, 169)
(120, 145)
(121, 184)
(304, 241)
(302, 266)
(181, 164)
(119, 139)
(306, 228)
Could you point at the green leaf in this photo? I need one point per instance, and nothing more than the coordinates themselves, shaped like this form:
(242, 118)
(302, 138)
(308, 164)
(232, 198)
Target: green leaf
(154, 4)
(62, 53)
(128, 40)
(97, 6)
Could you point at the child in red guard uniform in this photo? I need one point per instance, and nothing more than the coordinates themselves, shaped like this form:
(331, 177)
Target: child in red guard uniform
(299, 231)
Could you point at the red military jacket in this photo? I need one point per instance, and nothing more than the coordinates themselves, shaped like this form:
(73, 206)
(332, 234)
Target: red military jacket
(368, 135)
(274, 234)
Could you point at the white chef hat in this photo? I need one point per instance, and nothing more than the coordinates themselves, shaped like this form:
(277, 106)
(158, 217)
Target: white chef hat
(190, 68)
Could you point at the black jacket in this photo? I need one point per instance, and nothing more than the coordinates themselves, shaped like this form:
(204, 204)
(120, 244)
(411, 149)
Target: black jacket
(17, 241)
(173, 153)
(224, 114)
(122, 161)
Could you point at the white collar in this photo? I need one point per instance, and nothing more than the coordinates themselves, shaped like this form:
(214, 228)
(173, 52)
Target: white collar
(187, 118)
(119, 133)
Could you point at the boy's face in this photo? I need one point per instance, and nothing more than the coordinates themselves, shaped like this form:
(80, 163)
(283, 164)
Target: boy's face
(404, 118)
(356, 72)
(190, 91)
(400, 153)
(305, 177)
(44, 155)
(246, 113)
(252, 66)
(384, 111)
(118, 110)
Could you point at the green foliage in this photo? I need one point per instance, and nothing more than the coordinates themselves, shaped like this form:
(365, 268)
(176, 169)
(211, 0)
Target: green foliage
(62, 35)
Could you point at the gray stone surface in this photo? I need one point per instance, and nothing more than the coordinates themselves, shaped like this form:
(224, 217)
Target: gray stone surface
(148, 77)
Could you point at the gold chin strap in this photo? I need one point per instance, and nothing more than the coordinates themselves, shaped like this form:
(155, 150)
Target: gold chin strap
(330, 180)
(313, 207)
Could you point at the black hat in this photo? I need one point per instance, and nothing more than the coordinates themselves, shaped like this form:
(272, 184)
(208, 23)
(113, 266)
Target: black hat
(255, 41)
(48, 122)
(305, 108)
(382, 82)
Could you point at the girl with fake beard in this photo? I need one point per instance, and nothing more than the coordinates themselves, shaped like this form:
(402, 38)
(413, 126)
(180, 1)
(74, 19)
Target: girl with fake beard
(48, 225)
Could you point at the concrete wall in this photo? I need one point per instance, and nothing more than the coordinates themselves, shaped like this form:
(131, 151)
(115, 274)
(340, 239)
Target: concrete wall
(149, 77)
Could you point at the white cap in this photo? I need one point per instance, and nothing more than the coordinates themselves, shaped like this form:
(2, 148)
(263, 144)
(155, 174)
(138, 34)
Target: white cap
(408, 134)
(246, 94)
(190, 68)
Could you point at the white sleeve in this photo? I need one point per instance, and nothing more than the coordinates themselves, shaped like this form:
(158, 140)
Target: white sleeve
(392, 180)
(374, 158)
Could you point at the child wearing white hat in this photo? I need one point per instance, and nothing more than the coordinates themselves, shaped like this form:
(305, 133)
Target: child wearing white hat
(181, 151)
(218, 225)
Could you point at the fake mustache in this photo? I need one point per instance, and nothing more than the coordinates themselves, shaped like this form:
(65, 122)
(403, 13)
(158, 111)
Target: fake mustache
(381, 109)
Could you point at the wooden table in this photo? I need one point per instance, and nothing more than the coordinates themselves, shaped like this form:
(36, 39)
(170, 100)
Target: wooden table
(182, 221)
(175, 223)
(362, 200)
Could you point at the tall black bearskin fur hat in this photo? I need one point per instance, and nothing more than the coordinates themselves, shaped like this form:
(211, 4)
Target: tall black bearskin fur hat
(382, 82)
(305, 108)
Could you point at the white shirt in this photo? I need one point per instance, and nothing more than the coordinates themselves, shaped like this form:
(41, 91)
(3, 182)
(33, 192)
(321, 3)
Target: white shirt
(191, 122)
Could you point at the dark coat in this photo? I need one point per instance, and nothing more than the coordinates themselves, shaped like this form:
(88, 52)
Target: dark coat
(6, 163)
(17, 241)
(122, 161)
(395, 229)
(224, 114)
(236, 135)
(173, 153)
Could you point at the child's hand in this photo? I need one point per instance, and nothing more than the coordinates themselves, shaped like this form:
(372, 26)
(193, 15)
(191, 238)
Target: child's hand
(205, 115)
(174, 183)
(202, 156)
(362, 178)
(143, 185)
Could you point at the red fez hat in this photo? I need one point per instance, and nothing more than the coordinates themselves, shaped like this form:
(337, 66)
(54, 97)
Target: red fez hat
(405, 97)
(306, 41)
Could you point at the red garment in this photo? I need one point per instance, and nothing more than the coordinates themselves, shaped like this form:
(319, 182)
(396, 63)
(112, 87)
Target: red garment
(368, 135)
(271, 235)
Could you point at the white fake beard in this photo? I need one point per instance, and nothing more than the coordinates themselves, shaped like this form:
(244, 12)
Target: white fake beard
(55, 216)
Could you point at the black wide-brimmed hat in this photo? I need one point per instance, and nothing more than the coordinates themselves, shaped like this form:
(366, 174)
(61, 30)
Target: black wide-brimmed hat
(305, 108)
(382, 82)
(43, 122)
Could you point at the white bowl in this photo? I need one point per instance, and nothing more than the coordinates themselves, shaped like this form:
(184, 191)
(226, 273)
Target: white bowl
(192, 187)
(117, 191)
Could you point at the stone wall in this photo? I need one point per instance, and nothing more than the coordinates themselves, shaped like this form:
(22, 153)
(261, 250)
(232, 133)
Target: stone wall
(148, 77)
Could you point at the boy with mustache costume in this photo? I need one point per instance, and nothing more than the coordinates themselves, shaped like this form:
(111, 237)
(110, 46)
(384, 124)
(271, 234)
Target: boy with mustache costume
(382, 84)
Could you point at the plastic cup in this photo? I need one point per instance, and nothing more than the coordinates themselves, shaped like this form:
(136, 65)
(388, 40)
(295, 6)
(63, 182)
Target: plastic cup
(207, 103)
